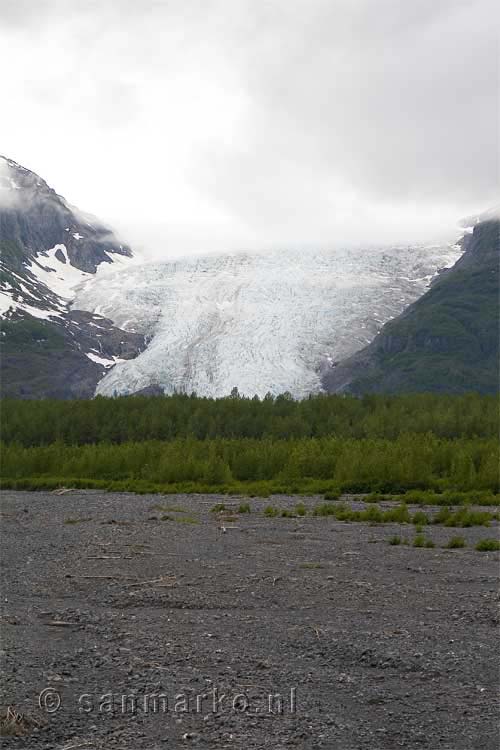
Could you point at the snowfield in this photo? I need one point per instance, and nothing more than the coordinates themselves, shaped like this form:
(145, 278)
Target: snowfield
(261, 322)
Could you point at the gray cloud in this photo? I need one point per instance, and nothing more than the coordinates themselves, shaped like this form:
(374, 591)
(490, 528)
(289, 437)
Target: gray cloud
(211, 125)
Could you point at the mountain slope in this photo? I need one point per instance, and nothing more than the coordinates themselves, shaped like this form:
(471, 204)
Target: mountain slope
(47, 248)
(447, 341)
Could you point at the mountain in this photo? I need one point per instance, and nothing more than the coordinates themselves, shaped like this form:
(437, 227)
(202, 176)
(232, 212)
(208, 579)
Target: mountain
(47, 248)
(261, 322)
(448, 340)
(80, 317)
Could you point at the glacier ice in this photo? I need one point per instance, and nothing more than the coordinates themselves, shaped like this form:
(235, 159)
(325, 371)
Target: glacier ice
(263, 322)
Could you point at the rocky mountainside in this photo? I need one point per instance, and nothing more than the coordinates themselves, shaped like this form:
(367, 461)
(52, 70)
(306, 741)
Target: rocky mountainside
(47, 248)
(447, 341)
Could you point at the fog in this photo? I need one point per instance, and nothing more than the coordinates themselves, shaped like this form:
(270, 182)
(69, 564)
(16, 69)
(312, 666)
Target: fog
(210, 126)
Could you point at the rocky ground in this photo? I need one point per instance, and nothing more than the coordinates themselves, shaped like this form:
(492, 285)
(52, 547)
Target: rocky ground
(368, 645)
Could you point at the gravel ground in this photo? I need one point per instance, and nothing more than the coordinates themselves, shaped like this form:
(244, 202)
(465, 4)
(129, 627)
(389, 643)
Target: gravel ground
(369, 645)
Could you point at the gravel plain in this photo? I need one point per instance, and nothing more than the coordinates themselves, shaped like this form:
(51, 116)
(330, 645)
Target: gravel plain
(360, 644)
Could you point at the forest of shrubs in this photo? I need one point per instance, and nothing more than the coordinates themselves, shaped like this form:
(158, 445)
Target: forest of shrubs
(321, 444)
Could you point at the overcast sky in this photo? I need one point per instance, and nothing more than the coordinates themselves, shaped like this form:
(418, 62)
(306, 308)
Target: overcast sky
(196, 125)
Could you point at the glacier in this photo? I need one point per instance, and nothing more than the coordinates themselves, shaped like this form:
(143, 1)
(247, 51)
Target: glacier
(261, 322)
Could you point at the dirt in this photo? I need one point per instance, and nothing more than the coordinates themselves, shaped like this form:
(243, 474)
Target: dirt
(369, 645)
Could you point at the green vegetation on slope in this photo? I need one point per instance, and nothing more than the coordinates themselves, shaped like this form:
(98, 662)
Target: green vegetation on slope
(448, 341)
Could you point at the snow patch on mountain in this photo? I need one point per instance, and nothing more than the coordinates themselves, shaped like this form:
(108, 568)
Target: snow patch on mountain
(56, 274)
(261, 322)
(105, 361)
(8, 306)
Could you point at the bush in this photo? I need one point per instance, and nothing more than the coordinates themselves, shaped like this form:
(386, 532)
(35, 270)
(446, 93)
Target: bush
(419, 518)
(377, 497)
(400, 514)
(442, 516)
(331, 495)
(466, 518)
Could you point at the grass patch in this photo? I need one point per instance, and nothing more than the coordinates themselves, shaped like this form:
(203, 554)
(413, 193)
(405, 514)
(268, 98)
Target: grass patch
(270, 511)
(395, 540)
(328, 510)
(218, 508)
(372, 514)
(430, 497)
(488, 545)
(179, 519)
(14, 724)
(186, 519)
(419, 518)
(71, 521)
(463, 518)
(421, 540)
(244, 508)
(311, 566)
(456, 542)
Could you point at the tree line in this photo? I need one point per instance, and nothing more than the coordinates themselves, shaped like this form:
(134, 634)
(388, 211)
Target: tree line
(314, 464)
(136, 419)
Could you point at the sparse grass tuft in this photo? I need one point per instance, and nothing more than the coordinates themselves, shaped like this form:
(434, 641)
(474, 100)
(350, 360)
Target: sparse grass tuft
(71, 521)
(14, 724)
(456, 542)
(300, 509)
(270, 511)
(311, 566)
(218, 508)
(185, 519)
(244, 508)
(395, 540)
(168, 508)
